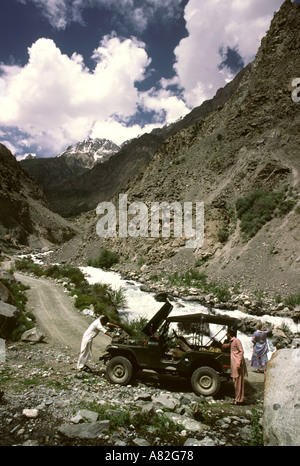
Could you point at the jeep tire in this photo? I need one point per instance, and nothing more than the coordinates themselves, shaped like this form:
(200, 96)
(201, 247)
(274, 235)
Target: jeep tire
(119, 370)
(205, 381)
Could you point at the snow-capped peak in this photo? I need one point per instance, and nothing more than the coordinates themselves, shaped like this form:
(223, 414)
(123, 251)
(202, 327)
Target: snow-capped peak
(91, 151)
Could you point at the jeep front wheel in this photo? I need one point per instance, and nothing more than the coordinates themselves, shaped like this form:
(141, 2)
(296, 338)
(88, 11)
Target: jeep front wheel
(205, 381)
(119, 370)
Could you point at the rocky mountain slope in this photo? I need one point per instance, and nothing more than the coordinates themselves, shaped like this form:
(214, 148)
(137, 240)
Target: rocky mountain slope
(72, 187)
(25, 219)
(242, 161)
(53, 172)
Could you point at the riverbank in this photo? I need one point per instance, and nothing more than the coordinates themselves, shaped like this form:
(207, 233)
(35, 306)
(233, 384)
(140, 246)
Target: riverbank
(282, 319)
(230, 298)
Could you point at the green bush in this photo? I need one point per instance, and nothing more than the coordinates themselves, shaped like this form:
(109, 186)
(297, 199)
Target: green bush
(194, 278)
(292, 300)
(105, 260)
(27, 265)
(118, 298)
(256, 430)
(223, 235)
(64, 271)
(258, 208)
(135, 327)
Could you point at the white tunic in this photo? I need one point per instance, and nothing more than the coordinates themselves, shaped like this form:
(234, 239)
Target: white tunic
(87, 339)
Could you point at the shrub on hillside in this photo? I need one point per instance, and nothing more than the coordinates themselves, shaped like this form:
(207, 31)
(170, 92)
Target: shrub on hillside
(259, 207)
(105, 260)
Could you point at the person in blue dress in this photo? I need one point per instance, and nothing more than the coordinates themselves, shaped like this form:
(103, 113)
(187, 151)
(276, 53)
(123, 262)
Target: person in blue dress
(259, 358)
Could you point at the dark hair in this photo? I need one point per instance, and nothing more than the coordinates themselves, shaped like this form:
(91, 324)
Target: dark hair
(104, 320)
(232, 331)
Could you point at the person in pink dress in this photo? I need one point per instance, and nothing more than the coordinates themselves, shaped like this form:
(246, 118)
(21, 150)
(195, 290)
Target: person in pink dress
(237, 365)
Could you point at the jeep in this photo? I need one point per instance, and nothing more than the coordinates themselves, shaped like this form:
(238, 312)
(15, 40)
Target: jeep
(167, 351)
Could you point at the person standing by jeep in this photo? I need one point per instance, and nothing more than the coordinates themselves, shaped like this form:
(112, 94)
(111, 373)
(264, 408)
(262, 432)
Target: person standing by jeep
(93, 330)
(237, 365)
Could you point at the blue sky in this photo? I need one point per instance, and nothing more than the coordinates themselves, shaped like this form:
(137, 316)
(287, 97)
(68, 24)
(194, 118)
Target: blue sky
(72, 69)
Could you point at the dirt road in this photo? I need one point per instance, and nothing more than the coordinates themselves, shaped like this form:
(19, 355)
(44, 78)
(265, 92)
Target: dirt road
(57, 317)
(63, 326)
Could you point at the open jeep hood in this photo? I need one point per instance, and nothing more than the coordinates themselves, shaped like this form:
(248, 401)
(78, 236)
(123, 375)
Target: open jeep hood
(158, 319)
(205, 318)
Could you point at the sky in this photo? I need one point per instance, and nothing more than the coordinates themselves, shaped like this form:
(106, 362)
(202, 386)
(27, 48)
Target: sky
(115, 69)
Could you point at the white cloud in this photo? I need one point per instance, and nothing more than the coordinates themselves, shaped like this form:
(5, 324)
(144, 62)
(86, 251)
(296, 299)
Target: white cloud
(56, 11)
(55, 100)
(117, 131)
(215, 24)
(137, 13)
(167, 106)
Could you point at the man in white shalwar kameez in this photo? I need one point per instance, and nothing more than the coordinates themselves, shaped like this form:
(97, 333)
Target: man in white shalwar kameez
(88, 336)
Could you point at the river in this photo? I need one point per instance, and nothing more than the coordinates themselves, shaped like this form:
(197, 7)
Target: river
(143, 304)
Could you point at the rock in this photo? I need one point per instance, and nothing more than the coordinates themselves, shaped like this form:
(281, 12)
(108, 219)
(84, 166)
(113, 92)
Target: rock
(295, 343)
(205, 442)
(77, 419)
(141, 442)
(277, 332)
(8, 311)
(193, 442)
(245, 433)
(31, 443)
(143, 397)
(187, 422)
(7, 276)
(30, 413)
(281, 419)
(33, 335)
(168, 401)
(84, 431)
(4, 293)
(90, 416)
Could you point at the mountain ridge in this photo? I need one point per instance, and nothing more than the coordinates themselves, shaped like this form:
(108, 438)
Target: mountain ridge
(249, 145)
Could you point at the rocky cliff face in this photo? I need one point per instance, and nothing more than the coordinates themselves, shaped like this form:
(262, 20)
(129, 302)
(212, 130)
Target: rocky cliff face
(242, 161)
(25, 219)
(52, 173)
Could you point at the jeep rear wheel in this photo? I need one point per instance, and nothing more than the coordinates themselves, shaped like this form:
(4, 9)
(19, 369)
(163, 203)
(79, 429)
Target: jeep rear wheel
(205, 381)
(119, 370)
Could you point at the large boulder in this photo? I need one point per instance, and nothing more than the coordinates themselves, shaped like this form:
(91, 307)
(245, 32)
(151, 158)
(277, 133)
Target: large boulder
(8, 317)
(8, 311)
(87, 430)
(33, 335)
(4, 293)
(282, 399)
